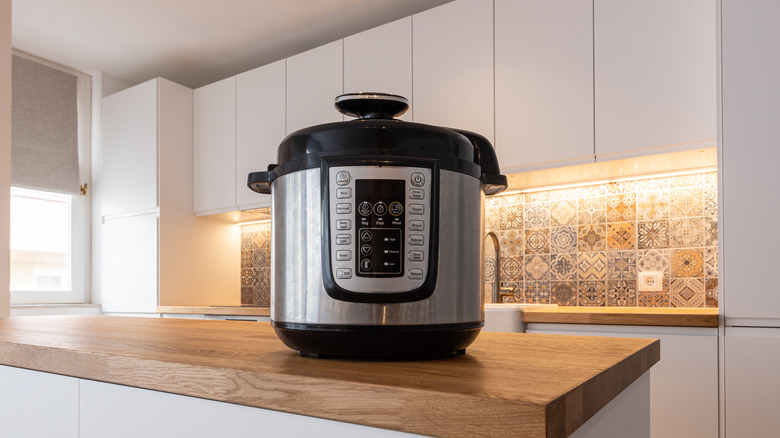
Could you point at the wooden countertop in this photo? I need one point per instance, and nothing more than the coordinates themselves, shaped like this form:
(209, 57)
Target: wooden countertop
(216, 310)
(624, 316)
(507, 384)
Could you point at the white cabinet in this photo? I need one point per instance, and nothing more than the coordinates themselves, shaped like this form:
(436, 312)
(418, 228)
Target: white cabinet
(314, 79)
(683, 385)
(453, 66)
(260, 120)
(128, 179)
(655, 72)
(544, 83)
(38, 405)
(214, 147)
(380, 60)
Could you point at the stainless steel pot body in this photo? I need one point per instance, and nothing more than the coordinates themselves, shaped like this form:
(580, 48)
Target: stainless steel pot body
(298, 295)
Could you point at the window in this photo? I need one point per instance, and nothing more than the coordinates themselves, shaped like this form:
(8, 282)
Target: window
(50, 163)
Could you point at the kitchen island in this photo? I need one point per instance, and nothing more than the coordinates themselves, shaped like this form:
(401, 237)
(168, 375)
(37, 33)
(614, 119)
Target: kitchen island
(507, 384)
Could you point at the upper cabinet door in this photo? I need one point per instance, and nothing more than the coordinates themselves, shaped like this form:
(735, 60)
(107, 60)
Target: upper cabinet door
(214, 147)
(544, 83)
(380, 60)
(453, 66)
(655, 75)
(129, 150)
(314, 79)
(259, 128)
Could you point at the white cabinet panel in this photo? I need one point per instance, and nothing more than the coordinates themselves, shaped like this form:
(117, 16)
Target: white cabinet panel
(38, 405)
(129, 264)
(544, 83)
(684, 384)
(128, 179)
(214, 147)
(314, 79)
(654, 75)
(453, 66)
(751, 92)
(380, 60)
(260, 113)
(752, 383)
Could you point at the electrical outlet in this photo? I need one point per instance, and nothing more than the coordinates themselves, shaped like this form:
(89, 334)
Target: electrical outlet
(651, 281)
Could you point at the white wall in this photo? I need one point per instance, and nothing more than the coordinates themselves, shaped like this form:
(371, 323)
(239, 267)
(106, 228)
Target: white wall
(5, 154)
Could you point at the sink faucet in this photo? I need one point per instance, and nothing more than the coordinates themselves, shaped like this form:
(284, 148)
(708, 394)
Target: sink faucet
(499, 292)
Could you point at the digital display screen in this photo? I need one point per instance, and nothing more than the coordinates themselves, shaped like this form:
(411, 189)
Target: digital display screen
(379, 214)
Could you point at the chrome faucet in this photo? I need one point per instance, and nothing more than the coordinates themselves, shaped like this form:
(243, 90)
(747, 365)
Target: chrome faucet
(499, 292)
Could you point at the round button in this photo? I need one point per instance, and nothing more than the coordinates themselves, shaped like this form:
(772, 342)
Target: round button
(366, 264)
(366, 235)
(380, 208)
(396, 208)
(365, 250)
(342, 178)
(365, 208)
(418, 179)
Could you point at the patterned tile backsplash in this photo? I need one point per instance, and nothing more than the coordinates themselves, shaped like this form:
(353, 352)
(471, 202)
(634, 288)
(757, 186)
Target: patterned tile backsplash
(581, 246)
(584, 246)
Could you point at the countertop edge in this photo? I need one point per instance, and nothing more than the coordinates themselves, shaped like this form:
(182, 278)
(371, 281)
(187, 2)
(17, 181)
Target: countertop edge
(627, 316)
(215, 310)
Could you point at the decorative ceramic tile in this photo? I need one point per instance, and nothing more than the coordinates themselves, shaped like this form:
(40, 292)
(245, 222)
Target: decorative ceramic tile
(247, 296)
(621, 264)
(711, 292)
(516, 288)
(247, 258)
(710, 200)
(537, 241)
(563, 267)
(686, 180)
(537, 196)
(652, 184)
(653, 260)
(563, 239)
(511, 242)
(687, 263)
(493, 201)
(515, 199)
(592, 293)
(537, 215)
(710, 262)
(262, 258)
(592, 265)
(511, 217)
(687, 292)
(571, 194)
(686, 232)
(537, 267)
(261, 238)
(621, 235)
(711, 178)
(563, 212)
(247, 277)
(653, 299)
(512, 268)
(591, 210)
(492, 218)
(262, 292)
(686, 202)
(490, 268)
(652, 205)
(592, 237)
(711, 231)
(621, 293)
(621, 208)
(246, 241)
(537, 292)
(653, 234)
(592, 191)
(563, 293)
(620, 187)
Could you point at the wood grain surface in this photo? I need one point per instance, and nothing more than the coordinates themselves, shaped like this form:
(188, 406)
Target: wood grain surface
(624, 316)
(507, 384)
(216, 310)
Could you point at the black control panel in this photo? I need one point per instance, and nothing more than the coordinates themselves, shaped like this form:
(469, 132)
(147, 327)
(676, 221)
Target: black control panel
(380, 218)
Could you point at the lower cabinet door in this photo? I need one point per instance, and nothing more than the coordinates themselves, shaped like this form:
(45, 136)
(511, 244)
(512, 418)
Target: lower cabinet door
(38, 405)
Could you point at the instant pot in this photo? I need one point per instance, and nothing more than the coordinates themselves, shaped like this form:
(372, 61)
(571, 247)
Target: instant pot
(377, 229)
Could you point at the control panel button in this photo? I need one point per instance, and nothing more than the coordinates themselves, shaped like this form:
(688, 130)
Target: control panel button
(418, 179)
(364, 208)
(416, 225)
(344, 273)
(343, 193)
(415, 273)
(366, 236)
(344, 208)
(416, 209)
(343, 239)
(416, 239)
(342, 178)
(380, 208)
(416, 256)
(366, 264)
(343, 224)
(396, 208)
(366, 250)
(344, 255)
(416, 193)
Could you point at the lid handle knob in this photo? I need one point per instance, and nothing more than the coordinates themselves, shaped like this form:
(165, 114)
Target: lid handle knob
(372, 105)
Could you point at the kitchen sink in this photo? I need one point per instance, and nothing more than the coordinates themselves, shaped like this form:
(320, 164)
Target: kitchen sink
(508, 317)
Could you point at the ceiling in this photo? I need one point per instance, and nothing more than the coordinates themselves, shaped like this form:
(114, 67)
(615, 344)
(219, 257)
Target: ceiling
(192, 42)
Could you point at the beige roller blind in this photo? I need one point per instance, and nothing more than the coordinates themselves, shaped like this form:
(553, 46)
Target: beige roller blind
(44, 133)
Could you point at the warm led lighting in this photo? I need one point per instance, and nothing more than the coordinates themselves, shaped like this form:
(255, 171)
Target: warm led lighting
(264, 221)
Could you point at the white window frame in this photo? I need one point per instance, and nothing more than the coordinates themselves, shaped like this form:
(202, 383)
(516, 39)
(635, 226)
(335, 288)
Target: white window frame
(80, 218)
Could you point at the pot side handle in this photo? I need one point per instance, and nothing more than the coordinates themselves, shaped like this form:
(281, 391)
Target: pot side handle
(260, 182)
(492, 180)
